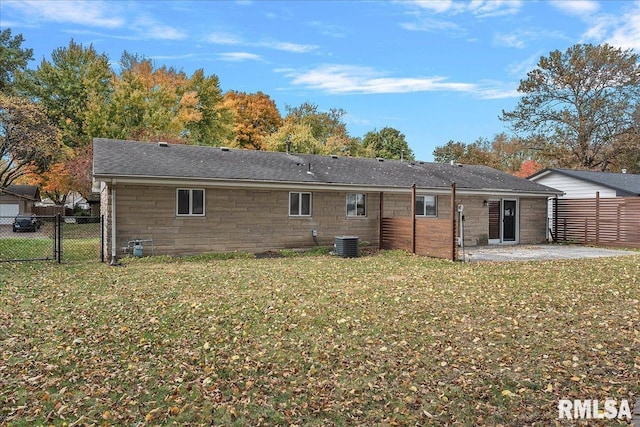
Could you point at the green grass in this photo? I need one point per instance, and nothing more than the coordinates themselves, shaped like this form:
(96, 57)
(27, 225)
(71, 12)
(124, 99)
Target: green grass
(379, 340)
(73, 249)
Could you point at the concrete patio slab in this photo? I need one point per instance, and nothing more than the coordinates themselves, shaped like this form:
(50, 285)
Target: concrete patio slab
(539, 252)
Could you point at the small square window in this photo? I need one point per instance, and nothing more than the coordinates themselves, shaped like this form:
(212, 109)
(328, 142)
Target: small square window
(299, 204)
(426, 206)
(190, 202)
(356, 204)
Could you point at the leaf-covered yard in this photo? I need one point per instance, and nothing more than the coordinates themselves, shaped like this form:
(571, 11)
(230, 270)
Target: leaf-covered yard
(379, 340)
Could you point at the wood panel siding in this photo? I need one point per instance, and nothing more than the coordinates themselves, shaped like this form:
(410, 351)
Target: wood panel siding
(433, 236)
(599, 221)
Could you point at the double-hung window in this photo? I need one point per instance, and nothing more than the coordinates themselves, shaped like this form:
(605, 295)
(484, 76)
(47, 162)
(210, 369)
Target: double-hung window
(299, 204)
(356, 204)
(190, 202)
(426, 206)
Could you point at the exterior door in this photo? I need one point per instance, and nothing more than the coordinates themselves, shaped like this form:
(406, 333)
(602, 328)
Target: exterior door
(495, 221)
(503, 221)
(509, 220)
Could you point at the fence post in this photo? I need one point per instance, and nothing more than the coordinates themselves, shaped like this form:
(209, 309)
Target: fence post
(59, 239)
(101, 238)
(454, 211)
(597, 217)
(555, 219)
(413, 218)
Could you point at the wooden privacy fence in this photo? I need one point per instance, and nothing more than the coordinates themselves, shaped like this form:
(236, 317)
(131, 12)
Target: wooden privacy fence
(434, 237)
(607, 222)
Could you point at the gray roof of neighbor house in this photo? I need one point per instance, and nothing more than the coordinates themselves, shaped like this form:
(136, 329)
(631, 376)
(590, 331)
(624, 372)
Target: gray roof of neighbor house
(625, 184)
(117, 159)
(31, 192)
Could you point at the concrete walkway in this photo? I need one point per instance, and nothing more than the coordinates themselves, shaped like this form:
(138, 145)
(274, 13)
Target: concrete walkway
(539, 252)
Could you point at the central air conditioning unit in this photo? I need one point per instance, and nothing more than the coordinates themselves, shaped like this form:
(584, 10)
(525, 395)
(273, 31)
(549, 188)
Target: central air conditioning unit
(347, 246)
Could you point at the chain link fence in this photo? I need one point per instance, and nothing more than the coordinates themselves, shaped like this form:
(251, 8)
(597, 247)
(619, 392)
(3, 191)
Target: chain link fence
(30, 237)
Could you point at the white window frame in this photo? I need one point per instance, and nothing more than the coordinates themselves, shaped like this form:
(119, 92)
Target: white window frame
(190, 190)
(300, 214)
(364, 201)
(424, 205)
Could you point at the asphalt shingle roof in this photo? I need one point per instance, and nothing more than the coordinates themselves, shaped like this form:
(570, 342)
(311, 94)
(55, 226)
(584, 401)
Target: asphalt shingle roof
(117, 158)
(626, 184)
(25, 191)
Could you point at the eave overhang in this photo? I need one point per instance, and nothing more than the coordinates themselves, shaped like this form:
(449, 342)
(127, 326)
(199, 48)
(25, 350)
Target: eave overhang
(308, 186)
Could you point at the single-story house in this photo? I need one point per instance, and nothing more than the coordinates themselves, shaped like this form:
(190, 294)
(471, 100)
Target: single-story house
(577, 184)
(17, 199)
(183, 199)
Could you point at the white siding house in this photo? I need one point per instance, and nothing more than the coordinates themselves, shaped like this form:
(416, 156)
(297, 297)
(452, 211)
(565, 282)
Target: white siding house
(584, 184)
(577, 184)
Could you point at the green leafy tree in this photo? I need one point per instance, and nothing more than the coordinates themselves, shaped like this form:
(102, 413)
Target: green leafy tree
(215, 126)
(578, 106)
(312, 131)
(75, 80)
(28, 141)
(388, 143)
(160, 103)
(13, 60)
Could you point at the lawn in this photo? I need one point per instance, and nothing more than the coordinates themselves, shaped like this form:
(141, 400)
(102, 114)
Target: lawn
(81, 242)
(379, 340)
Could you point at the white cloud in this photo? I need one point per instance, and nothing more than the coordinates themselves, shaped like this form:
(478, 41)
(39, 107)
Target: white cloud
(223, 38)
(483, 8)
(90, 13)
(576, 7)
(520, 69)
(239, 57)
(149, 28)
(627, 33)
(437, 6)
(288, 47)
(490, 8)
(427, 13)
(622, 30)
(497, 90)
(509, 40)
(347, 79)
(428, 24)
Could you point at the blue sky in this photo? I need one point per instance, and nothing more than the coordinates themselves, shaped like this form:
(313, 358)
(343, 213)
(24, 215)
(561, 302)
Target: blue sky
(434, 70)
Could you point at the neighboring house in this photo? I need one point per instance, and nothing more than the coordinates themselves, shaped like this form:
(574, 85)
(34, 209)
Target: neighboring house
(577, 184)
(579, 216)
(17, 199)
(194, 199)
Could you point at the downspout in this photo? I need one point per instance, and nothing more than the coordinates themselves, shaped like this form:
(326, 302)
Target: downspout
(114, 258)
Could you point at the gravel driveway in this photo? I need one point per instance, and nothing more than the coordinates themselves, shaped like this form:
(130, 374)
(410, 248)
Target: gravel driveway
(539, 252)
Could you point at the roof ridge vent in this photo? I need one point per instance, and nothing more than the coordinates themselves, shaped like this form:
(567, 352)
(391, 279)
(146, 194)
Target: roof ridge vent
(224, 148)
(334, 156)
(380, 159)
(163, 144)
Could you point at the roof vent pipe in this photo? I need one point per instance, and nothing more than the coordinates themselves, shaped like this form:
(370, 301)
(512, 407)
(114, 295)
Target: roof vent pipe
(288, 143)
(624, 171)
